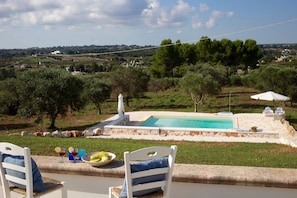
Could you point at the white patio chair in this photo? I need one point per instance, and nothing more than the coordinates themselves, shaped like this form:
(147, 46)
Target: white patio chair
(279, 113)
(268, 112)
(148, 173)
(20, 174)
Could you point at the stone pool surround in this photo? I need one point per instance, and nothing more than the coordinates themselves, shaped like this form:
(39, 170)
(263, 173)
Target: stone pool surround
(266, 127)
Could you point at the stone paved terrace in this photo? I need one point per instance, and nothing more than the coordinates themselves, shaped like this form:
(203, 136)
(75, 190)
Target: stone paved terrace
(208, 180)
(187, 176)
(192, 173)
(189, 180)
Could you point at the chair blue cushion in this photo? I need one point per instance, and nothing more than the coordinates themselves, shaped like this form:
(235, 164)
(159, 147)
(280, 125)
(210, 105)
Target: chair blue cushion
(38, 185)
(142, 166)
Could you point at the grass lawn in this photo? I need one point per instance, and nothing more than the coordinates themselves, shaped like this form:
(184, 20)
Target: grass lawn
(241, 154)
(234, 154)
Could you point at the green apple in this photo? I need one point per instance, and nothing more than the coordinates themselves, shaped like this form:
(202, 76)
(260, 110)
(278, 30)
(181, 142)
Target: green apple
(104, 158)
(95, 160)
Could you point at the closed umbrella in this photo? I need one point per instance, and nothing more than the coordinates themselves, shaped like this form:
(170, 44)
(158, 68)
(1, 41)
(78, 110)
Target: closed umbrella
(121, 109)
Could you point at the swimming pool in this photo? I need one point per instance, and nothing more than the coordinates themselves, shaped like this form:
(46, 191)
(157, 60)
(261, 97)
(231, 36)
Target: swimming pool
(131, 125)
(188, 122)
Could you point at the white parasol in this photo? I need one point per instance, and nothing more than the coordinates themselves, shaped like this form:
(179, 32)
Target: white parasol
(121, 109)
(270, 96)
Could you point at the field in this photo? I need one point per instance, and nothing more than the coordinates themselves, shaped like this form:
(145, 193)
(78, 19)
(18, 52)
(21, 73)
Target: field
(239, 154)
(170, 100)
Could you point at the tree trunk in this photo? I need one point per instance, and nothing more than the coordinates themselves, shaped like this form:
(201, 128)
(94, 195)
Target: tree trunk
(53, 120)
(195, 106)
(195, 102)
(127, 101)
(201, 100)
(52, 126)
(99, 109)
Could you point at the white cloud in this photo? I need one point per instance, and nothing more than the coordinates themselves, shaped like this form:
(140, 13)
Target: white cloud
(98, 27)
(213, 17)
(47, 27)
(74, 27)
(196, 22)
(203, 7)
(70, 12)
(156, 16)
(230, 14)
(101, 14)
(210, 23)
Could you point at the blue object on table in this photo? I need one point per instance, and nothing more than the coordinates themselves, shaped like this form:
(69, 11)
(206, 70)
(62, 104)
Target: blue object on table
(81, 152)
(70, 156)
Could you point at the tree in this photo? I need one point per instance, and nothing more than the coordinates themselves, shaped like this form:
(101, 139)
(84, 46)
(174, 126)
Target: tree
(192, 83)
(94, 67)
(227, 52)
(188, 53)
(216, 51)
(287, 82)
(49, 92)
(203, 49)
(238, 51)
(7, 73)
(9, 98)
(202, 80)
(267, 79)
(164, 60)
(156, 85)
(129, 81)
(97, 90)
(251, 53)
(278, 79)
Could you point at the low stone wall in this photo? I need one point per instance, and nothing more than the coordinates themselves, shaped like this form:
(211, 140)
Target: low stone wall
(136, 130)
(129, 130)
(214, 133)
(290, 128)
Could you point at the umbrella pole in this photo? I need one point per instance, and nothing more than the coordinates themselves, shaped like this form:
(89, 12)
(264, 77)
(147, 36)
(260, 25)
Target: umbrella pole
(273, 105)
(229, 101)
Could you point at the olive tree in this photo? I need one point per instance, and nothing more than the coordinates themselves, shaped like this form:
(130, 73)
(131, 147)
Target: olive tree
(277, 78)
(9, 99)
(49, 92)
(131, 82)
(156, 85)
(96, 90)
(202, 80)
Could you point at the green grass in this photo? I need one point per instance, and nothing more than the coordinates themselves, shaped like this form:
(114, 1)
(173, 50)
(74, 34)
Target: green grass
(234, 154)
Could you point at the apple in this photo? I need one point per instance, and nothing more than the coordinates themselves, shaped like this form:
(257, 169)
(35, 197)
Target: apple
(104, 158)
(101, 156)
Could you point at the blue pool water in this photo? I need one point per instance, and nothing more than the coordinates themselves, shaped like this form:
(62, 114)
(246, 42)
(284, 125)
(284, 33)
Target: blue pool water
(188, 122)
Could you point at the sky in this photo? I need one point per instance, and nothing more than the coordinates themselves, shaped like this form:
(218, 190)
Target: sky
(50, 23)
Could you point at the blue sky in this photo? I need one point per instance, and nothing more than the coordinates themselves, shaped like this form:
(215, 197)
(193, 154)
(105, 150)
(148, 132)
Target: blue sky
(48, 23)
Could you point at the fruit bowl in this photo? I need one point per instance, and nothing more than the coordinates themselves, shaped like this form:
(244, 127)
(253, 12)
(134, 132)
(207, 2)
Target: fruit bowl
(86, 159)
